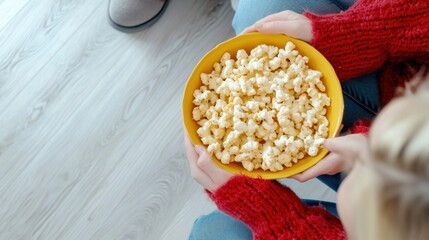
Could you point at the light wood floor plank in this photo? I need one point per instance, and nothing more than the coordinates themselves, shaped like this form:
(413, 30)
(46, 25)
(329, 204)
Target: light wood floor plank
(8, 10)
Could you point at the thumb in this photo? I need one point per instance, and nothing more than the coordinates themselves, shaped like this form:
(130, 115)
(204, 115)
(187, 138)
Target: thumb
(338, 144)
(199, 149)
(204, 161)
(206, 164)
(334, 144)
(345, 145)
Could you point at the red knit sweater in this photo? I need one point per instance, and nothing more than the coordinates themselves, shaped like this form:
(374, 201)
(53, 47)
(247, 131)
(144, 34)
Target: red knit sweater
(274, 212)
(390, 35)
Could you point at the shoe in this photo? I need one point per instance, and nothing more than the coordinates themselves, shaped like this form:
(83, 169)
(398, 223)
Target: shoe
(234, 4)
(135, 15)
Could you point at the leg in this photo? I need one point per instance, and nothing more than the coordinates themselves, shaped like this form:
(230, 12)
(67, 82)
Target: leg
(218, 225)
(250, 11)
(361, 99)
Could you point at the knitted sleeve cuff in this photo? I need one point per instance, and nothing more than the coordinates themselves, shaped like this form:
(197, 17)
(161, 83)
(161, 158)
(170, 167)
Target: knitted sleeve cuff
(273, 211)
(352, 45)
(360, 39)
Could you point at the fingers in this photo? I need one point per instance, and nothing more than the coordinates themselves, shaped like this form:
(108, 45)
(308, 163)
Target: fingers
(331, 164)
(203, 169)
(206, 164)
(297, 29)
(335, 144)
(249, 29)
(301, 177)
(276, 27)
(205, 161)
(286, 22)
(190, 153)
(198, 174)
(343, 152)
(277, 17)
(286, 15)
(347, 146)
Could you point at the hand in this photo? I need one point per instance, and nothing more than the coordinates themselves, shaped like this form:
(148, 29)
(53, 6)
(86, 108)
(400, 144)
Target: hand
(343, 151)
(287, 22)
(203, 169)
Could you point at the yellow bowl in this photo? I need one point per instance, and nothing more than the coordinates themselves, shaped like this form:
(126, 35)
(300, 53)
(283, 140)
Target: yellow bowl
(248, 42)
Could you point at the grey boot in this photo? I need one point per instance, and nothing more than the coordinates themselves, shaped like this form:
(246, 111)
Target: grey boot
(134, 15)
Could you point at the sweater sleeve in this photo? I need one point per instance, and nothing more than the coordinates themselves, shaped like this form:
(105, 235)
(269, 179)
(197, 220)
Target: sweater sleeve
(360, 39)
(361, 127)
(273, 211)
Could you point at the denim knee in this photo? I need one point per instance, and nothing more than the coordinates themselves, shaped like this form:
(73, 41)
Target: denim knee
(250, 11)
(361, 99)
(219, 226)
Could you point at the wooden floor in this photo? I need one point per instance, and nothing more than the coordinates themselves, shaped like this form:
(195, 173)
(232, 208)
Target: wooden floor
(90, 121)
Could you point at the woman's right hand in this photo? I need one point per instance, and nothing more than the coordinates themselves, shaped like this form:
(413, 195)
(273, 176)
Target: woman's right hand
(343, 150)
(287, 22)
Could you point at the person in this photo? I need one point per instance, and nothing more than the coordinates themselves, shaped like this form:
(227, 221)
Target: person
(356, 41)
(390, 202)
(135, 15)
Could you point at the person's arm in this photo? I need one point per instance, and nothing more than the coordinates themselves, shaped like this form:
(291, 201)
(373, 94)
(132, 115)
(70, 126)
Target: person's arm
(361, 39)
(270, 209)
(273, 211)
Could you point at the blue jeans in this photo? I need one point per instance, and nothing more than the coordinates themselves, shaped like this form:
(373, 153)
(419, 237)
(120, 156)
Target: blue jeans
(218, 225)
(250, 11)
(361, 101)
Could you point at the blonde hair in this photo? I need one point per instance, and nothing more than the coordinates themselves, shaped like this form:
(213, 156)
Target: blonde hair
(392, 199)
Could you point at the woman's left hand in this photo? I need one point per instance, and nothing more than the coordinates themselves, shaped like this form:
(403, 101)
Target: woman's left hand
(203, 169)
(287, 22)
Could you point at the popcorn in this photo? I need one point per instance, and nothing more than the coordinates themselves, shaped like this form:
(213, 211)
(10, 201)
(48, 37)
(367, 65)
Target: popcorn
(249, 166)
(213, 148)
(250, 146)
(240, 126)
(225, 157)
(265, 109)
(251, 127)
